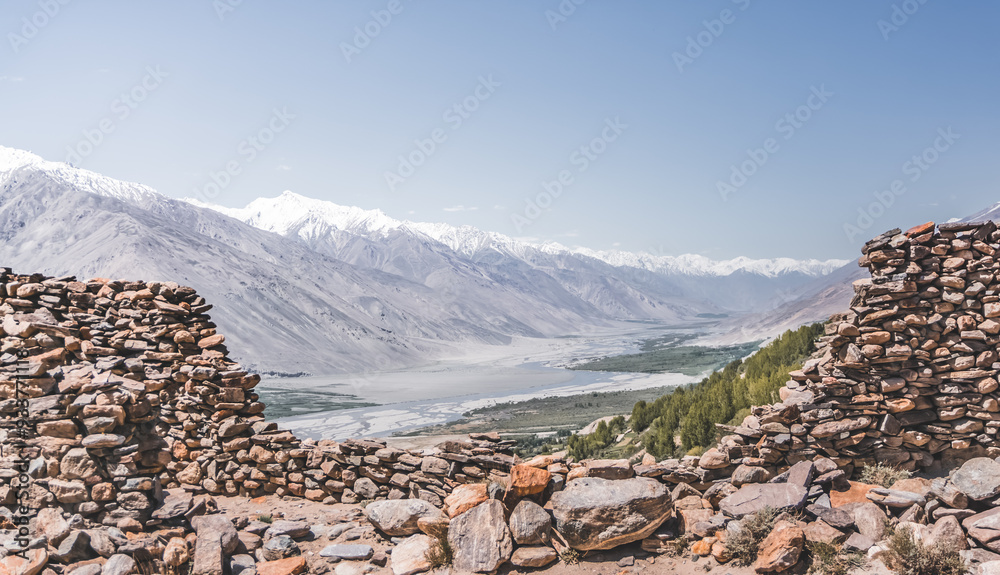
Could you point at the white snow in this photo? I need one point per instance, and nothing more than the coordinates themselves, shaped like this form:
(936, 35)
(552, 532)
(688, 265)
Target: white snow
(311, 218)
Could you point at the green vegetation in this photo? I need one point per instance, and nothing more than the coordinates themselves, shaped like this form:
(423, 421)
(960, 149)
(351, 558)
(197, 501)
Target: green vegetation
(569, 556)
(686, 359)
(265, 518)
(685, 419)
(440, 555)
(826, 559)
(907, 556)
(743, 545)
(587, 446)
(883, 474)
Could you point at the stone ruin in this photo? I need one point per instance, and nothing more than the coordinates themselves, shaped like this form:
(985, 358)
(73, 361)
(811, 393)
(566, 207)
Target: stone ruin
(124, 419)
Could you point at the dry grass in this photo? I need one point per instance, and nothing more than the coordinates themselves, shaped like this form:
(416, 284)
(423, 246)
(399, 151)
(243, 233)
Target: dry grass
(743, 545)
(883, 474)
(907, 556)
(440, 555)
(825, 559)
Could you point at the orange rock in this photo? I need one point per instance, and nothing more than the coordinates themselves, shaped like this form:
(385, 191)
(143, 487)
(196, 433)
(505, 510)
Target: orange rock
(211, 341)
(856, 494)
(289, 566)
(31, 565)
(781, 549)
(526, 481)
(464, 498)
(703, 547)
(920, 230)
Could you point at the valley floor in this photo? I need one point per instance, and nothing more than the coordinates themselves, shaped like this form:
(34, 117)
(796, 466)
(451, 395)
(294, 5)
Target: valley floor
(442, 391)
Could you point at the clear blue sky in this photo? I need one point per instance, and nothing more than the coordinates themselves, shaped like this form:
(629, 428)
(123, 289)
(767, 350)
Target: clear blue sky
(547, 85)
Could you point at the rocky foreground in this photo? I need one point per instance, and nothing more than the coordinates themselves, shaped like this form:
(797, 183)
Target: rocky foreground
(128, 435)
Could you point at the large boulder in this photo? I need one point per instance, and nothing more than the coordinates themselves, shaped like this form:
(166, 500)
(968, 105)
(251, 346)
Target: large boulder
(985, 528)
(593, 513)
(780, 550)
(530, 524)
(412, 555)
(479, 538)
(978, 478)
(396, 517)
(754, 497)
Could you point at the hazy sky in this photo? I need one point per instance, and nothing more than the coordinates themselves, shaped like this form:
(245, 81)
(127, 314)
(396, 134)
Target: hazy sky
(719, 127)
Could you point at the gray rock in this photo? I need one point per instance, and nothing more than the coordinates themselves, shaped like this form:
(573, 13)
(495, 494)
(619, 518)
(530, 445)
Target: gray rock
(869, 519)
(801, 474)
(837, 518)
(242, 565)
(293, 529)
(356, 552)
(118, 565)
(858, 542)
(176, 503)
(366, 488)
(399, 516)
(753, 498)
(978, 478)
(410, 556)
(89, 569)
(948, 493)
(530, 524)
(280, 547)
(75, 547)
(947, 533)
(533, 556)
(217, 539)
(895, 498)
(594, 513)
(479, 538)
(985, 528)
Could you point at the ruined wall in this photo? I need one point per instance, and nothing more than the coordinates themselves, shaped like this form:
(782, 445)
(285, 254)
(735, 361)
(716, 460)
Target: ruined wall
(113, 391)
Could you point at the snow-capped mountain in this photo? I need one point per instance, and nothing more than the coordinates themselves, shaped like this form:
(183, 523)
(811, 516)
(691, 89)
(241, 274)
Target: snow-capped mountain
(301, 285)
(309, 219)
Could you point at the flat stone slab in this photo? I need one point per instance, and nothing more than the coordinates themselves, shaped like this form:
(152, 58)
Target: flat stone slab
(753, 498)
(355, 552)
(978, 478)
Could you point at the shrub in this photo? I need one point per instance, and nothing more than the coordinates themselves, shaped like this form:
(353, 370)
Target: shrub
(825, 559)
(440, 555)
(907, 556)
(265, 519)
(883, 474)
(569, 556)
(743, 545)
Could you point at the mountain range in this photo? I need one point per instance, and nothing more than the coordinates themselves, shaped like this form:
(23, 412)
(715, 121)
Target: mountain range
(307, 286)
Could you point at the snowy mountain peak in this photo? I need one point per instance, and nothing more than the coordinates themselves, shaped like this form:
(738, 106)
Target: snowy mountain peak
(308, 218)
(13, 159)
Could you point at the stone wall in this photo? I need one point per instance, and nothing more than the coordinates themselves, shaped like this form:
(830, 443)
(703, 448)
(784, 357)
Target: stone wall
(127, 390)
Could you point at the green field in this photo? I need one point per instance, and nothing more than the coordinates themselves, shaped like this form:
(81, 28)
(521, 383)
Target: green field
(663, 355)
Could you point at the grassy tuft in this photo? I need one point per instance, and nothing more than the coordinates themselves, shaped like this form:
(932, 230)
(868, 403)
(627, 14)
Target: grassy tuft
(907, 556)
(744, 544)
(826, 559)
(570, 556)
(441, 554)
(265, 519)
(883, 474)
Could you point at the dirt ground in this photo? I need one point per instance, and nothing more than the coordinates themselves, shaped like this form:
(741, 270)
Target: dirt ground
(346, 524)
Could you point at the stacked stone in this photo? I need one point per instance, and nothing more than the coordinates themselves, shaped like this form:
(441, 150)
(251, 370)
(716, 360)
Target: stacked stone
(908, 375)
(130, 391)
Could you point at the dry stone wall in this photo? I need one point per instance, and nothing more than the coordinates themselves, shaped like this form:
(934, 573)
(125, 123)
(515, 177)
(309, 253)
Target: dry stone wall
(125, 390)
